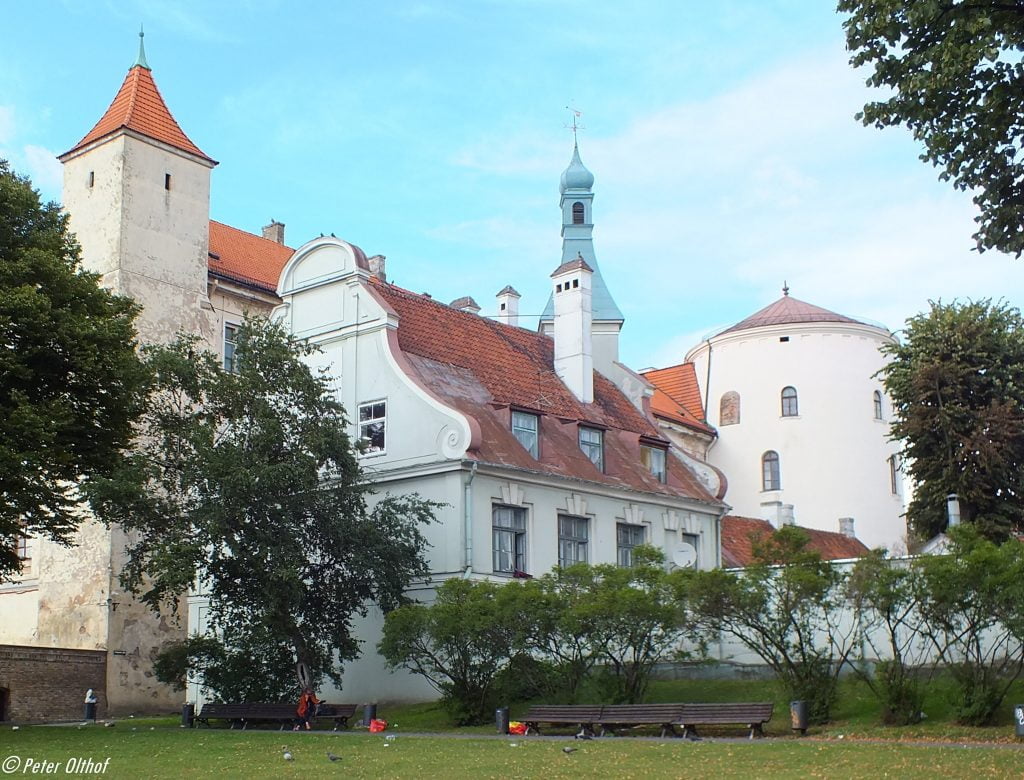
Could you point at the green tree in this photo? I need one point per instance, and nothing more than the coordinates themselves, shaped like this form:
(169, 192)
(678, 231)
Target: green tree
(68, 373)
(789, 608)
(958, 401)
(248, 480)
(459, 644)
(953, 70)
(885, 594)
(972, 604)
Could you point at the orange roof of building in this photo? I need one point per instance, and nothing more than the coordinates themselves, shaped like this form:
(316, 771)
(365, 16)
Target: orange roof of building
(677, 396)
(739, 534)
(138, 106)
(485, 369)
(788, 310)
(246, 258)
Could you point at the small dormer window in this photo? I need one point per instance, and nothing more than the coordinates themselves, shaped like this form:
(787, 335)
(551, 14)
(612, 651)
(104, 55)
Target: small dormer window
(577, 213)
(653, 459)
(526, 427)
(592, 444)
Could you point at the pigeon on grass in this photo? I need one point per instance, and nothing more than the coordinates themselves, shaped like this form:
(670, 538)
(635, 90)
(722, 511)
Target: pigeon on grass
(332, 757)
(288, 755)
(567, 750)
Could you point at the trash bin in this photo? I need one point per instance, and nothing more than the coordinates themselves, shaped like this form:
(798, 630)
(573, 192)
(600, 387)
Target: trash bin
(90, 710)
(1018, 719)
(188, 715)
(369, 713)
(798, 716)
(501, 719)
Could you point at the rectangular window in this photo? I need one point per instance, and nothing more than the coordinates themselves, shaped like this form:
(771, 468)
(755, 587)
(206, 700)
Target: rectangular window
(694, 541)
(894, 475)
(23, 549)
(653, 459)
(526, 427)
(509, 539)
(372, 423)
(573, 535)
(592, 444)
(230, 343)
(628, 537)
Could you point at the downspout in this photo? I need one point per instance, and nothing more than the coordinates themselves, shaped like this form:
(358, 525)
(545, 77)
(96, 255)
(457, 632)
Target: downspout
(467, 511)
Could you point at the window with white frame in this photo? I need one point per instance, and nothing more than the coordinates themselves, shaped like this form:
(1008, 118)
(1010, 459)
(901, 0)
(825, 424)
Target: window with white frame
(770, 479)
(526, 428)
(573, 539)
(230, 344)
(372, 425)
(789, 402)
(23, 549)
(878, 405)
(627, 537)
(509, 539)
(694, 541)
(894, 475)
(653, 459)
(592, 444)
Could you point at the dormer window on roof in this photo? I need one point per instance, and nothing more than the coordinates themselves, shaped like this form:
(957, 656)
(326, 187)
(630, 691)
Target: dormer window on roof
(653, 459)
(526, 429)
(592, 444)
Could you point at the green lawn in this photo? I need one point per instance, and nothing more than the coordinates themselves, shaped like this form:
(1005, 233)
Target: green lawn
(164, 751)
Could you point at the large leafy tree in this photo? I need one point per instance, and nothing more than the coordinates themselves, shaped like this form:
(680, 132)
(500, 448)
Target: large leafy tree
(248, 479)
(953, 71)
(68, 372)
(958, 396)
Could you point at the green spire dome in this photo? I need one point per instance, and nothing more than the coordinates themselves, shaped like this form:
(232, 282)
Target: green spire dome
(140, 61)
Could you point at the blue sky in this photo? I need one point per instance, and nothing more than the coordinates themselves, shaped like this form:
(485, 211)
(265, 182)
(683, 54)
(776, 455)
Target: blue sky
(721, 136)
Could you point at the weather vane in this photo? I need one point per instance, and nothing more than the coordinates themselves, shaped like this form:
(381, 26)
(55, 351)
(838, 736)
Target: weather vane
(575, 126)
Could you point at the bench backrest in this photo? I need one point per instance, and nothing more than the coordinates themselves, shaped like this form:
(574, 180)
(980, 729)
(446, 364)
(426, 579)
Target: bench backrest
(219, 710)
(564, 713)
(727, 712)
(640, 713)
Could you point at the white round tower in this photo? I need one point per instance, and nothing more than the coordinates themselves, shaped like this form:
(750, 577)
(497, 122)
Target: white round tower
(803, 421)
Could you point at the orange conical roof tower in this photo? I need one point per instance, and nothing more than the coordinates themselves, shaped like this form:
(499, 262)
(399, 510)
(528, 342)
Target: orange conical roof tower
(138, 107)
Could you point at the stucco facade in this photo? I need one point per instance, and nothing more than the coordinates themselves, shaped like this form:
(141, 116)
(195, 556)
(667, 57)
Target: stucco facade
(832, 443)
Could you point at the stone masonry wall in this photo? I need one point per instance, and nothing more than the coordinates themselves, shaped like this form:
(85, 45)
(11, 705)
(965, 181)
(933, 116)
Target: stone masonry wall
(49, 684)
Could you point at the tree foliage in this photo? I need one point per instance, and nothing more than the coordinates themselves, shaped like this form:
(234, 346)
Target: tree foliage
(972, 610)
(955, 72)
(958, 399)
(788, 608)
(68, 372)
(249, 480)
(458, 644)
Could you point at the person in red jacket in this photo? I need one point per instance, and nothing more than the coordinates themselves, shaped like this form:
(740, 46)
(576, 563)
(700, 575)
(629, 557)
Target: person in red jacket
(307, 708)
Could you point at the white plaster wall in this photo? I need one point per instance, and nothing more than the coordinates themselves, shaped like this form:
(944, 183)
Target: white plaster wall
(834, 455)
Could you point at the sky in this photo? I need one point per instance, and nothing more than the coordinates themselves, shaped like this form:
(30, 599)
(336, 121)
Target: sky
(721, 135)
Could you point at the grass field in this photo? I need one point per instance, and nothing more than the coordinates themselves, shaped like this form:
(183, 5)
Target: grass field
(171, 752)
(855, 745)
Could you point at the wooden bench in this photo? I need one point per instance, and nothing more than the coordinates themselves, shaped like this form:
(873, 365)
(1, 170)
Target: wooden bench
(275, 712)
(234, 712)
(581, 716)
(628, 715)
(753, 715)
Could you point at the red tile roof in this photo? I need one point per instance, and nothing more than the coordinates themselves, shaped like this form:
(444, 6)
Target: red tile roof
(246, 258)
(485, 369)
(740, 533)
(138, 106)
(788, 310)
(677, 396)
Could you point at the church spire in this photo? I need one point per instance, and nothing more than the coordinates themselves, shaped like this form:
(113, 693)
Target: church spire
(140, 61)
(576, 190)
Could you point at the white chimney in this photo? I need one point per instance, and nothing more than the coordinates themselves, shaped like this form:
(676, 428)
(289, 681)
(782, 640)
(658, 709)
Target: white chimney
(465, 303)
(952, 510)
(786, 515)
(508, 306)
(376, 264)
(772, 511)
(574, 358)
(846, 527)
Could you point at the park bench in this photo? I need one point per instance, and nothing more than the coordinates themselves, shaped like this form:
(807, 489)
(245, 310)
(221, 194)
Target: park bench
(581, 716)
(753, 715)
(234, 712)
(615, 716)
(284, 713)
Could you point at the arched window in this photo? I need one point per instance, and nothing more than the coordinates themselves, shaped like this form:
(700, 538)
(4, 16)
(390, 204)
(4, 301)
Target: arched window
(729, 408)
(577, 213)
(770, 471)
(789, 407)
(878, 405)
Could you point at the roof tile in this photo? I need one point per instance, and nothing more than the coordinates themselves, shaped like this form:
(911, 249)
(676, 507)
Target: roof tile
(740, 533)
(785, 311)
(245, 257)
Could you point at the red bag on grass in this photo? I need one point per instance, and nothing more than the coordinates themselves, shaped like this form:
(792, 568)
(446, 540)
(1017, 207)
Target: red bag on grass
(377, 725)
(515, 727)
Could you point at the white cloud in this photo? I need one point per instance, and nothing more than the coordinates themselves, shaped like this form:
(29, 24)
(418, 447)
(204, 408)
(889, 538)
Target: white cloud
(45, 171)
